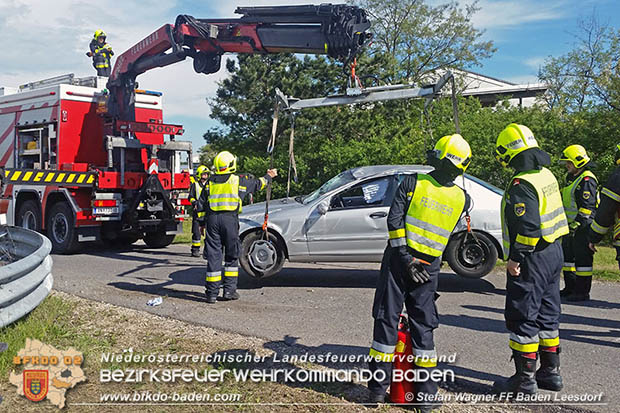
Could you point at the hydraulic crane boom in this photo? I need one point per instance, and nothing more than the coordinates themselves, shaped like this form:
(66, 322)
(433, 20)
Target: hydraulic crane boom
(340, 31)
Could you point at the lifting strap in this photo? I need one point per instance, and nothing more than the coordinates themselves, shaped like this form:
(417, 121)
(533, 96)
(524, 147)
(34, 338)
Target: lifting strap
(270, 147)
(291, 157)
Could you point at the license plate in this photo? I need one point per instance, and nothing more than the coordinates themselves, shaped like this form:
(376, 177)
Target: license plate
(105, 211)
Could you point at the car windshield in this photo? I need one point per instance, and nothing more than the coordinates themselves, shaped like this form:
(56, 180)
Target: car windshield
(336, 182)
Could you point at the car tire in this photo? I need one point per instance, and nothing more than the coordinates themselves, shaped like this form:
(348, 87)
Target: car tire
(248, 245)
(470, 259)
(158, 239)
(29, 215)
(61, 229)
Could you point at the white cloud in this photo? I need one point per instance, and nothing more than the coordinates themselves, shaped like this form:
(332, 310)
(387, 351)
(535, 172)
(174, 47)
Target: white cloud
(535, 62)
(511, 13)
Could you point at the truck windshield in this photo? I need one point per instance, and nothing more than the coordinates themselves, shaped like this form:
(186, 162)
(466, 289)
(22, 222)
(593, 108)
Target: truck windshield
(336, 182)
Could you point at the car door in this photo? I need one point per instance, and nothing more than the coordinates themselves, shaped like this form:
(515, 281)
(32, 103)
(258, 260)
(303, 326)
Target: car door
(354, 228)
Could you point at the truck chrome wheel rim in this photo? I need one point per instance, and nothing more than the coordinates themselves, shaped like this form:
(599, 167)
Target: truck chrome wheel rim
(60, 228)
(29, 221)
(262, 255)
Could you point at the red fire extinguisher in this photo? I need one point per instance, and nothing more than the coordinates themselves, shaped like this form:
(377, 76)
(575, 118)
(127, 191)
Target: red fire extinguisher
(402, 391)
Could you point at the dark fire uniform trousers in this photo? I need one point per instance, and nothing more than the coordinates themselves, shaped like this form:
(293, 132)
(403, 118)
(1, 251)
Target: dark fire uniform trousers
(394, 289)
(533, 298)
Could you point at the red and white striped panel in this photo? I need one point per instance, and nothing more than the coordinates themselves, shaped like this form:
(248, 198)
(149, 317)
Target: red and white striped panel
(153, 166)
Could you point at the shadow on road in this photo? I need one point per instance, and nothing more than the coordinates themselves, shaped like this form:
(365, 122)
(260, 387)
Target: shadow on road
(583, 336)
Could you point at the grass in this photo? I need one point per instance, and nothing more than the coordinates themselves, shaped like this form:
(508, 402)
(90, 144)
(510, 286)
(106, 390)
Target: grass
(186, 236)
(605, 264)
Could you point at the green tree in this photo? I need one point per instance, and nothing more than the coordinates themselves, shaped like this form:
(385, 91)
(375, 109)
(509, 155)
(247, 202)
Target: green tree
(589, 74)
(415, 38)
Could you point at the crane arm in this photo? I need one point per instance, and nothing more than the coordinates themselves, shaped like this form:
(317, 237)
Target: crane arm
(339, 31)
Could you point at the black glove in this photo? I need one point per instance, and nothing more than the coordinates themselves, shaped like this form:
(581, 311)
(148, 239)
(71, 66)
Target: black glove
(417, 273)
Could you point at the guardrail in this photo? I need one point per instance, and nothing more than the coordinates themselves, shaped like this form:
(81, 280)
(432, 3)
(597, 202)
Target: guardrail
(26, 282)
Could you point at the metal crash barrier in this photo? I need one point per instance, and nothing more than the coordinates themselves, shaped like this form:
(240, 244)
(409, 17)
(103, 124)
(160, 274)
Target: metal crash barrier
(25, 272)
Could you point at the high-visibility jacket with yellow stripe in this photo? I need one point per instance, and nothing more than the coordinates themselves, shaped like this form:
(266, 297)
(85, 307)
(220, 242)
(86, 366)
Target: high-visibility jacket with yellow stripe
(553, 223)
(225, 196)
(194, 195)
(569, 198)
(433, 213)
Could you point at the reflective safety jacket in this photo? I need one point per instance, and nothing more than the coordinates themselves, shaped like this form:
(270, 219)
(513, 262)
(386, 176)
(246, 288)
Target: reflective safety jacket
(225, 193)
(580, 197)
(608, 209)
(101, 54)
(194, 194)
(531, 209)
(427, 216)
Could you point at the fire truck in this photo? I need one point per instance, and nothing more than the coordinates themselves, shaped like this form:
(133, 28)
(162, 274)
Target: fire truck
(82, 160)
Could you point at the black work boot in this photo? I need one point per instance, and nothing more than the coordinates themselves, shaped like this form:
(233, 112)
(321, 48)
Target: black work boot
(195, 252)
(230, 296)
(569, 283)
(583, 284)
(548, 375)
(523, 381)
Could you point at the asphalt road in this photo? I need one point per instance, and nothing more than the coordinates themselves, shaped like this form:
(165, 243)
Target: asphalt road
(320, 308)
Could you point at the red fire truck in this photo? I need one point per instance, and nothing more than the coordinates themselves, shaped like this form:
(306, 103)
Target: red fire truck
(83, 161)
(64, 175)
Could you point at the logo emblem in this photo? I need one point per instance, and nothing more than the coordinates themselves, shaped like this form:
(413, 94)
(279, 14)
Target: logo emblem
(586, 194)
(36, 384)
(520, 209)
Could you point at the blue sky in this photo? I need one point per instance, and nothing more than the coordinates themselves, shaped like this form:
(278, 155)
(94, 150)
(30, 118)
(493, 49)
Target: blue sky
(47, 38)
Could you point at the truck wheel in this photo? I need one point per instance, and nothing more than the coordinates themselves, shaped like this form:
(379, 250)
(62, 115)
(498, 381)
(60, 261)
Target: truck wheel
(61, 229)
(261, 258)
(470, 259)
(29, 215)
(158, 240)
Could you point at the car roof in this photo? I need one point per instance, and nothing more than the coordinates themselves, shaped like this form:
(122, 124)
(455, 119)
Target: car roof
(378, 170)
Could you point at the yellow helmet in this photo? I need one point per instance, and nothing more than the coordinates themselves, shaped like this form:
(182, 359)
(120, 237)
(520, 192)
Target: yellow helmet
(617, 157)
(513, 140)
(201, 170)
(577, 155)
(99, 33)
(225, 163)
(455, 149)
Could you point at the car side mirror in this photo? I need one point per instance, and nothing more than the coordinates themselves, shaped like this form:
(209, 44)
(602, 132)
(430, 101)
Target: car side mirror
(323, 208)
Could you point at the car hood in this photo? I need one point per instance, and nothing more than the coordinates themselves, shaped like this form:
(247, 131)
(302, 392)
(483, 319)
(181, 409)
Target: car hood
(276, 205)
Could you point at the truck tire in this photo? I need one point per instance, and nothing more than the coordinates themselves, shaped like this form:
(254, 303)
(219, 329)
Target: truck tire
(470, 259)
(249, 246)
(29, 215)
(61, 229)
(158, 239)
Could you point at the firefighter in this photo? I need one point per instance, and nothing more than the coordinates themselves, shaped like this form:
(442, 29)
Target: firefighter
(222, 199)
(101, 52)
(608, 211)
(198, 218)
(423, 214)
(533, 220)
(579, 197)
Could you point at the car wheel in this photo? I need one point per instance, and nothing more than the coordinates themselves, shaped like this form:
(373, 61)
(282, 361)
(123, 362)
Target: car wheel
(29, 215)
(469, 258)
(61, 229)
(259, 257)
(158, 239)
